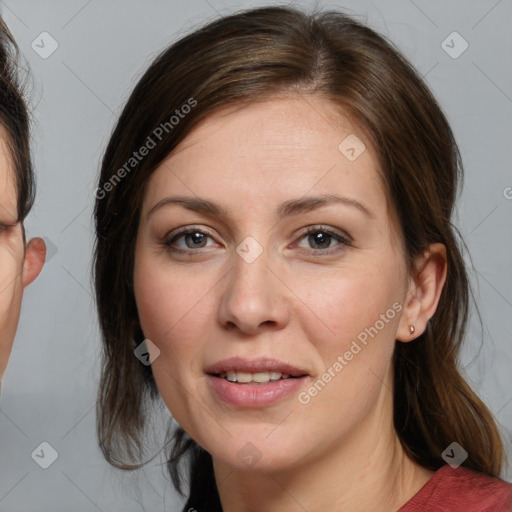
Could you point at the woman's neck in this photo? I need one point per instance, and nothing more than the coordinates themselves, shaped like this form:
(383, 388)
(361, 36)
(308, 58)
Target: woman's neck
(367, 470)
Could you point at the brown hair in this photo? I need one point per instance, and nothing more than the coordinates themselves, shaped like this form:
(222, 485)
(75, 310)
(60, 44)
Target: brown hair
(257, 54)
(14, 118)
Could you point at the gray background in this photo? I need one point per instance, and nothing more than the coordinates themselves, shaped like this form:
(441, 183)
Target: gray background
(49, 389)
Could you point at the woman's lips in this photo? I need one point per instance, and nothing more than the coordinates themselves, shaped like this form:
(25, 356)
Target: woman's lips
(261, 364)
(253, 395)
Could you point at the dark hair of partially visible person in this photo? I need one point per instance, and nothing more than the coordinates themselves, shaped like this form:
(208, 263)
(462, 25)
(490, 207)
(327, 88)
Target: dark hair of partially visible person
(14, 117)
(261, 54)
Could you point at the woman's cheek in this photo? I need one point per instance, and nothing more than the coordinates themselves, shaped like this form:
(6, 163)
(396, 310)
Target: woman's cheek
(11, 266)
(169, 314)
(10, 304)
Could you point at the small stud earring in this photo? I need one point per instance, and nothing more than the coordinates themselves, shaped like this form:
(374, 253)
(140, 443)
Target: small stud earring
(412, 329)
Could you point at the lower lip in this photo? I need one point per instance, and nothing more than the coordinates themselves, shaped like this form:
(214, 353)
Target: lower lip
(254, 395)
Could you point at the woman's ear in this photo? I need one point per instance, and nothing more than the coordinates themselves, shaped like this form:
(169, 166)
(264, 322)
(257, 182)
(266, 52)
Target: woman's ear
(425, 288)
(35, 254)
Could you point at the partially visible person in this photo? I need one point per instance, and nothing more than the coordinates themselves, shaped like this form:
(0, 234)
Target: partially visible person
(20, 262)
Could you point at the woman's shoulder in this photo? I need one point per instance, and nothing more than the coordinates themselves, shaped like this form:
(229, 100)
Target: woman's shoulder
(460, 489)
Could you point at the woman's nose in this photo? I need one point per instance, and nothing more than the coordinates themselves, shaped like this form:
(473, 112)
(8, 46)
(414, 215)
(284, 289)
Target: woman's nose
(254, 298)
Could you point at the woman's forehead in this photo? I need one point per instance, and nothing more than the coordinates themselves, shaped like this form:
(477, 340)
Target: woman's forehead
(293, 143)
(277, 121)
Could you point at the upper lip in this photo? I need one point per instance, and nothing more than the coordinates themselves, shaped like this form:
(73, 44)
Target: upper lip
(263, 364)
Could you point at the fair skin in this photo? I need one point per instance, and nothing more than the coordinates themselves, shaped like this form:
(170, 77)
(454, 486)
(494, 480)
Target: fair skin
(20, 264)
(293, 303)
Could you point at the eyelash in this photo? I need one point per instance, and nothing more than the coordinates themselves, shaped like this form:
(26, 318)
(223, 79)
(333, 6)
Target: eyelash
(343, 240)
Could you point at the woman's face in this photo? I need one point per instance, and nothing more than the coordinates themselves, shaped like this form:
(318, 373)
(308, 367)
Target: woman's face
(11, 256)
(249, 289)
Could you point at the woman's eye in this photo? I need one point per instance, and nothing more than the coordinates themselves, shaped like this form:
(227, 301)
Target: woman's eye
(189, 239)
(320, 239)
(316, 238)
(4, 227)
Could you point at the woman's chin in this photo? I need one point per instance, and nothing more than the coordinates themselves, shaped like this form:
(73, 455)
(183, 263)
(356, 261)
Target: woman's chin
(257, 453)
(251, 459)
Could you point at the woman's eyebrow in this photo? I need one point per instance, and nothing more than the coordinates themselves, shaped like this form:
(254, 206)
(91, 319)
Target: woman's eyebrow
(287, 209)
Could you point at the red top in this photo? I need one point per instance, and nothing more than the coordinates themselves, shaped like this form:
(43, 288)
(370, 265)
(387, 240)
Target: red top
(461, 490)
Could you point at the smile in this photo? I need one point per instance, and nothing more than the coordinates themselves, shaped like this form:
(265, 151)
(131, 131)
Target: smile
(254, 383)
(253, 378)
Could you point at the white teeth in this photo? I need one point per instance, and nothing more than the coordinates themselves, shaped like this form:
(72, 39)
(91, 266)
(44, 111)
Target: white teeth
(231, 376)
(259, 377)
(243, 377)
